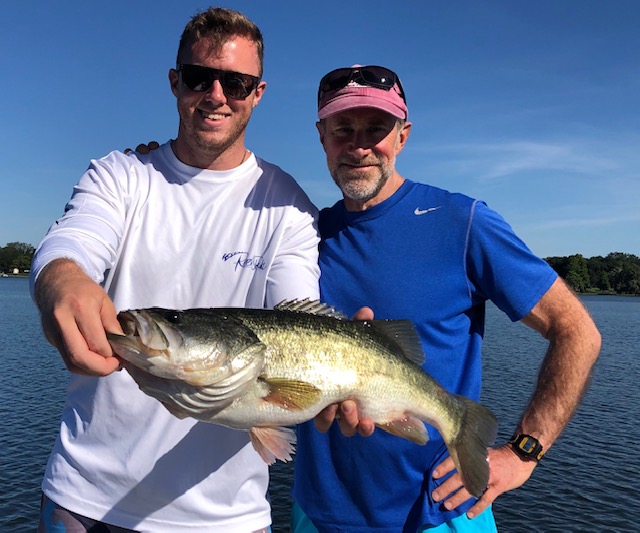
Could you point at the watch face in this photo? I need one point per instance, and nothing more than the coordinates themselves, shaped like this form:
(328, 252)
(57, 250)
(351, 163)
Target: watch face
(527, 447)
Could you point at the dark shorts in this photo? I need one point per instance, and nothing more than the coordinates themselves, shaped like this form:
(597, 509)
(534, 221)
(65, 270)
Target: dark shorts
(56, 519)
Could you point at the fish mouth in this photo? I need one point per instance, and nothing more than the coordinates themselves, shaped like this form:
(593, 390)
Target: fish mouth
(154, 335)
(154, 342)
(147, 343)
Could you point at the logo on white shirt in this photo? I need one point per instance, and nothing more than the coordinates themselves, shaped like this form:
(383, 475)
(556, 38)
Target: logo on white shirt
(244, 260)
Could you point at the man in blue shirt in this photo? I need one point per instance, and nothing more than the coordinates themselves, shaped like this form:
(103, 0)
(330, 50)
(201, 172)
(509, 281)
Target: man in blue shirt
(413, 251)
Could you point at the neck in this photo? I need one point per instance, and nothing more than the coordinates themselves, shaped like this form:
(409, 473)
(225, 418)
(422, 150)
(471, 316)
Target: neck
(210, 159)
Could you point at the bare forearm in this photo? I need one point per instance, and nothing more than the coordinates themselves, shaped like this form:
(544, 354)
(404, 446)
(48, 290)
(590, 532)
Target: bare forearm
(566, 369)
(75, 313)
(574, 344)
(51, 280)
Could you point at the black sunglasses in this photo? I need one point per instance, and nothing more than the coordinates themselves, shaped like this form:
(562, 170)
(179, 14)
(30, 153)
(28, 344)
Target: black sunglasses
(371, 76)
(234, 84)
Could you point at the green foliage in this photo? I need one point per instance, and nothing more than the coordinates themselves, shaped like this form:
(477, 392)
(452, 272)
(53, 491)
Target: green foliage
(617, 273)
(16, 255)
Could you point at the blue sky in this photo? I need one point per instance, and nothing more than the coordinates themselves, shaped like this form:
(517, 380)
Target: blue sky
(532, 106)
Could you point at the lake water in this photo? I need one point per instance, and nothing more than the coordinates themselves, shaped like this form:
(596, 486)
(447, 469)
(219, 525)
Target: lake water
(588, 481)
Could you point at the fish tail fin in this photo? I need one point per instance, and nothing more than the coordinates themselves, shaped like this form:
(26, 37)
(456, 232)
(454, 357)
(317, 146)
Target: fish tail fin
(273, 443)
(468, 448)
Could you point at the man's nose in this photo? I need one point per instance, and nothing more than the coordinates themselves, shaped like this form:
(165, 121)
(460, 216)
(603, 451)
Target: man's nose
(216, 93)
(359, 143)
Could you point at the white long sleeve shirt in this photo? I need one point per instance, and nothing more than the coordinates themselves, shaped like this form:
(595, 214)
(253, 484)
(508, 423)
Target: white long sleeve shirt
(156, 232)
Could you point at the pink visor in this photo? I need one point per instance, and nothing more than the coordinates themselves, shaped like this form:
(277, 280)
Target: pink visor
(361, 86)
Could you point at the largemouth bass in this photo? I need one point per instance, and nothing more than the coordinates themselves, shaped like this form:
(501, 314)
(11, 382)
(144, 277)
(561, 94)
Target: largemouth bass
(262, 370)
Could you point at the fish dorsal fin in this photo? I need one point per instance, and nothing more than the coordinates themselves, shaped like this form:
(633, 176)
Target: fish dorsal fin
(401, 337)
(314, 307)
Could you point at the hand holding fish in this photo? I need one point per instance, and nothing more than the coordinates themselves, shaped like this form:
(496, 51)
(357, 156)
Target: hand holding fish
(347, 412)
(506, 472)
(75, 312)
(265, 370)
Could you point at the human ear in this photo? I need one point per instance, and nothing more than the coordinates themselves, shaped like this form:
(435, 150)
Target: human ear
(174, 80)
(403, 135)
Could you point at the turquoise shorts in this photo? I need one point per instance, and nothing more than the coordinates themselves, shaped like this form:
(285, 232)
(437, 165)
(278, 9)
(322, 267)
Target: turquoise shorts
(485, 523)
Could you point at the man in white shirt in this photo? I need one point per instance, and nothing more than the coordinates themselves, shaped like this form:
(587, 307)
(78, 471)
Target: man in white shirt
(200, 222)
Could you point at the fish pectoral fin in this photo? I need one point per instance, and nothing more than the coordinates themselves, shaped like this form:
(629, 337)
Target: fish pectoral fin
(291, 394)
(273, 443)
(410, 428)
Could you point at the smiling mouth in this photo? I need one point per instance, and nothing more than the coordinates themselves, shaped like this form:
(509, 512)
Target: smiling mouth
(211, 116)
(351, 166)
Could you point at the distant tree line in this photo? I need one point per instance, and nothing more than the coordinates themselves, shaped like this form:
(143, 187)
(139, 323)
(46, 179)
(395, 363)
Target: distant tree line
(16, 255)
(616, 273)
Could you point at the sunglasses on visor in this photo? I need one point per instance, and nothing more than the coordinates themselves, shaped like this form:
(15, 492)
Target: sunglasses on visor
(370, 76)
(234, 84)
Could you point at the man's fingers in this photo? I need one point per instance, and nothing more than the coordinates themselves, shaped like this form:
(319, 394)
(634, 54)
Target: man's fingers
(348, 419)
(80, 359)
(109, 317)
(366, 427)
(452, 485)
(78, 329)
(351, 423)
(325, 418)
(364, 313)
(443, 468)
(483, 503)
(144, 148)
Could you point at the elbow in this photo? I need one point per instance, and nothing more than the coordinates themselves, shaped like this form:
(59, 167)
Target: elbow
(587, 336)
(579, 336)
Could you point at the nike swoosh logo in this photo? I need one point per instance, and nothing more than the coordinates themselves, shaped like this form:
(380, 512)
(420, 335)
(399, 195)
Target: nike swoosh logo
(419, 211)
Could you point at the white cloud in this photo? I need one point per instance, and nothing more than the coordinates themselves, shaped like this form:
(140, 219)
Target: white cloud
(488, 161)
(589, 221)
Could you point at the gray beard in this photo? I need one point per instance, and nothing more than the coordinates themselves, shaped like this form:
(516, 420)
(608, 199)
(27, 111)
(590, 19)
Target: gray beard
(361, 190)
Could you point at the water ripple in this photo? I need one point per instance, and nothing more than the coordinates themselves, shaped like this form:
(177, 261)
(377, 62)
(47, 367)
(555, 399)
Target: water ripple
(587, 482)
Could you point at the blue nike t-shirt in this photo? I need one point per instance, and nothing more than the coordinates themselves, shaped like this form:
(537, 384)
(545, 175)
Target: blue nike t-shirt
(432, 257)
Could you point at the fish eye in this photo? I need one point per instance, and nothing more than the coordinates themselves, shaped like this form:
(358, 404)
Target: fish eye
(172, 316)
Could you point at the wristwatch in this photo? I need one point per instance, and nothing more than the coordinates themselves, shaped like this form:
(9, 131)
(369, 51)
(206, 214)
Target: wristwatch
(527, 447)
